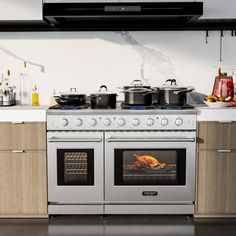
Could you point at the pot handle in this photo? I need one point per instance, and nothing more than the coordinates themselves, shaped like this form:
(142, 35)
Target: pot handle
(172, 81)
(61, 98)
(187, 90)
(150, 92)
(73, 89)
(137, 82)
(102, 86)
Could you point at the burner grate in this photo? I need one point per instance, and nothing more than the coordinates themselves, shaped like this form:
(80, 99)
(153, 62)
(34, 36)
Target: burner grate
(70, 107)
(137, 107)
(175, 107)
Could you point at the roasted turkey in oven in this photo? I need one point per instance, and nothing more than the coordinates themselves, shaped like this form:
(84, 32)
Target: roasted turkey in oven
(147, 162)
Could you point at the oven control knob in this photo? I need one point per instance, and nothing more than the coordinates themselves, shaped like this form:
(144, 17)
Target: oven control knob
(164, 122)
(64, 122)
(92, 122)
(150, 122)
(135, 122)
(179, 121)
(79, 122)
(121, 122)
(107, 122)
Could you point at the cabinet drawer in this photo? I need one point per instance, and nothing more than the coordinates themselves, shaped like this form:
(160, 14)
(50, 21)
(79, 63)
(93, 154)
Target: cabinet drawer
(215, 135)
(23, 184)
(216, 178)
(23, 136)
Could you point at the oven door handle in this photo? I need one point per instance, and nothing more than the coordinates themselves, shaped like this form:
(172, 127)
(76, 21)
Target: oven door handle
(176, 139)
(79, 140)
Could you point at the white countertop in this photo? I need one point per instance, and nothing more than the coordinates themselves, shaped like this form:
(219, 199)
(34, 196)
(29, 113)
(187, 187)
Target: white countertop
(216, 114)
(24, 113)
(28, 113)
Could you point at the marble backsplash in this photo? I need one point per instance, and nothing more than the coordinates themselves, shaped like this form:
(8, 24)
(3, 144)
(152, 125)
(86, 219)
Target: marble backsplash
(85, 60)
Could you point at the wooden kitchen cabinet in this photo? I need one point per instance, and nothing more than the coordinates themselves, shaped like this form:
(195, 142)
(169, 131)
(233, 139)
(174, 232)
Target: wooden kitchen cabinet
(23, 136)
(23, 178)
(215, 135)
(216, 169)
(216, 182)
(23, 183)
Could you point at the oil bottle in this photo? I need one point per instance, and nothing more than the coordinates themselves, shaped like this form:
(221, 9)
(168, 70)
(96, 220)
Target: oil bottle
(35, 97)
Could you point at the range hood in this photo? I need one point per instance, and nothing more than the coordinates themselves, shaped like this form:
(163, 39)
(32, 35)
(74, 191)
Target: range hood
(120, 15)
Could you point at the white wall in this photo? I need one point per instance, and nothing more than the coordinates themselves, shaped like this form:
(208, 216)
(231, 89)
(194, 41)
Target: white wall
(86, 60)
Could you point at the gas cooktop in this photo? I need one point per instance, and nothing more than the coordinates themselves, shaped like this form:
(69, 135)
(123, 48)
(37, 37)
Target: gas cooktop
(123, 106)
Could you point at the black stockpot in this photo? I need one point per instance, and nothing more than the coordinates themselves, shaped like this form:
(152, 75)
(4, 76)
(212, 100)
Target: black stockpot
(137, 94)
(173, 94)
(103, 99)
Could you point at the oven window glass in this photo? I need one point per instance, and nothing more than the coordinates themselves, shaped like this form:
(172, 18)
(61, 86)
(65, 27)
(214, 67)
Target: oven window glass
(150, 167)
(75, 167)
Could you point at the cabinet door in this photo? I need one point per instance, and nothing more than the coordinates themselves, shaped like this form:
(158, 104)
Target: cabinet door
(23, 189)
(218, 9)
(216, 178)
(25, 136)
(214, 135)
(21, 10)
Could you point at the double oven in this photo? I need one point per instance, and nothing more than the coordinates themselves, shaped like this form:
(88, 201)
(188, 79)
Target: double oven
(121, 169)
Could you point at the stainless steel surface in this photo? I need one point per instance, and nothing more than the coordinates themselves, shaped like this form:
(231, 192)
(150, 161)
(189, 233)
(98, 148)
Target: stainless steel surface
(8, 98)
(86, 194)
(152, 139)
(149, 209)
(225, 122)
(144, 120)
(104, 131)
(75, 139)
(130, 194)
(224, 151)
(82, 209)
(120, 111)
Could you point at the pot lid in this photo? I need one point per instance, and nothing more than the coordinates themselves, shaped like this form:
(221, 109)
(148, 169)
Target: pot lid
(137, 90)
(73, 91)
(102, 90)
(171, 84)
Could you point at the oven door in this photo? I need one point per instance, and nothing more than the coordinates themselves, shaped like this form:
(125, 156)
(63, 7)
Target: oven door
(75, 167)
(150, 167)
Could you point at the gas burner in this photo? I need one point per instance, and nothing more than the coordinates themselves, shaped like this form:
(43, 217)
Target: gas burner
(70, 107)
(176, 107)
(137, 107)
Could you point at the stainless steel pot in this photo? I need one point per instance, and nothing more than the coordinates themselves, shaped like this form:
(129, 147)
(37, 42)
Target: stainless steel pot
(172, 94)
(137, 94)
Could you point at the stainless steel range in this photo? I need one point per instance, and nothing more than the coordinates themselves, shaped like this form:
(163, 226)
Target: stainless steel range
(121, 161)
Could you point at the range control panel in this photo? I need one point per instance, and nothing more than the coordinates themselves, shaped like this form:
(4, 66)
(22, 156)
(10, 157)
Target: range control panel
(121, 122)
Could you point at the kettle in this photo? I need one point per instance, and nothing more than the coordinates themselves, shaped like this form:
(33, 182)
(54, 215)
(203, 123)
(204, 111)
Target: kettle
(223, 86)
